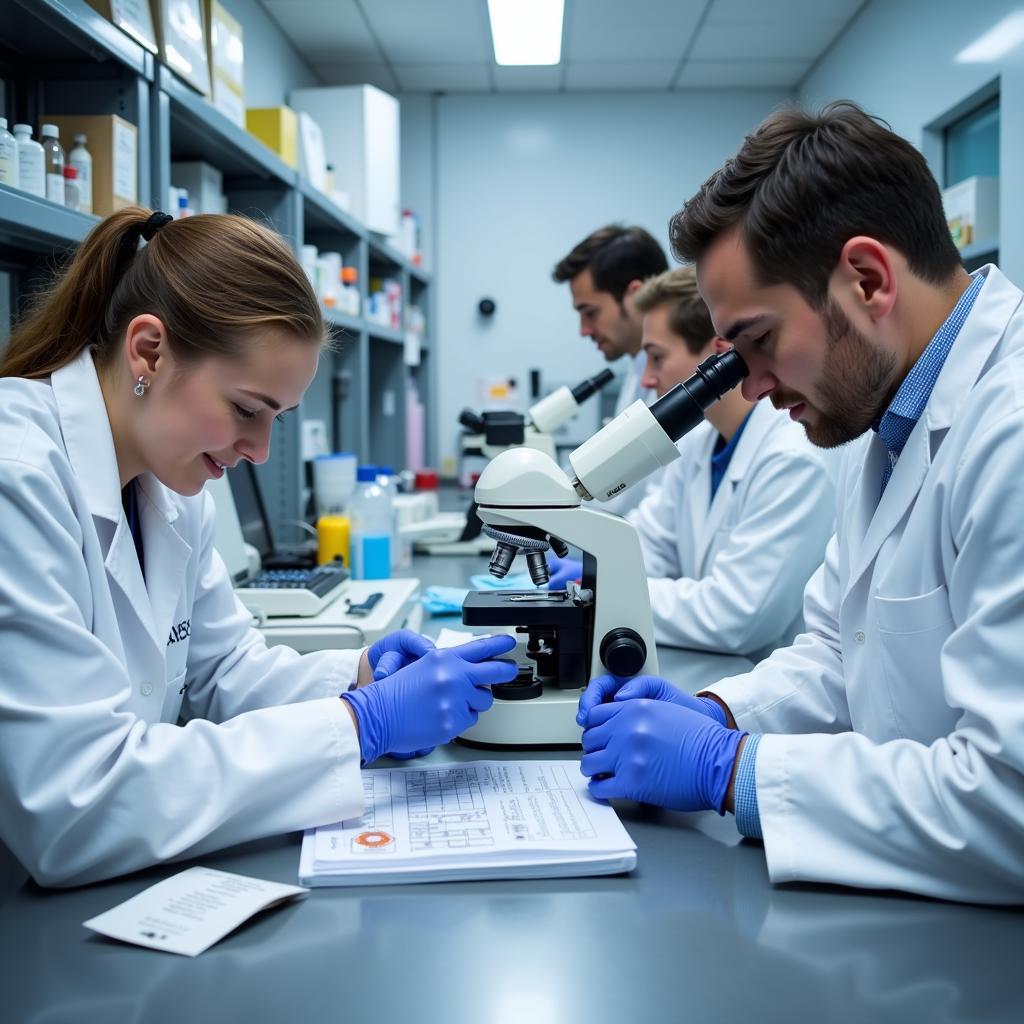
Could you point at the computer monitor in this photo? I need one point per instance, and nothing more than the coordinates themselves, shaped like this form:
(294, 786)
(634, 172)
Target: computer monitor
(252, 513)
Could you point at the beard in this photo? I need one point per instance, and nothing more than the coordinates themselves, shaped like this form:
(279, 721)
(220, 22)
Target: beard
(856, 385)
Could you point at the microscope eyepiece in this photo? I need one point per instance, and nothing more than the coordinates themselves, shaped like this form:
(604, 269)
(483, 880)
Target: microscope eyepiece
(587, 387)
(472, 421)
(683, 407)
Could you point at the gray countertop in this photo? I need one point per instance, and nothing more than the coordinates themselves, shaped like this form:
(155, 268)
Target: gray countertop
(696, 932)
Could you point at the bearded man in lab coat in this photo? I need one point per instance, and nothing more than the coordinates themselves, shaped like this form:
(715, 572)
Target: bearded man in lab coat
(604, 272)
(741, 519)
(885, 748)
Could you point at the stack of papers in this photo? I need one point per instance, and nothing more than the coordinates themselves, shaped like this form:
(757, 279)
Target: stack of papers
(480, 819)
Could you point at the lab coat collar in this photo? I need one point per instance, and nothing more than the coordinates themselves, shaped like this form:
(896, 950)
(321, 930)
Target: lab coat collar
(875, 519)
(90, 444)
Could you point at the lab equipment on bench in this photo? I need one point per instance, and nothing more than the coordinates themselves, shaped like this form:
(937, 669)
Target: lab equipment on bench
(489, 433)
(603, 624)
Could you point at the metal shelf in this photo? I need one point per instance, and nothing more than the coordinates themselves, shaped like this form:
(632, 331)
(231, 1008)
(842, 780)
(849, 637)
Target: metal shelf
(34, 225)
(321, 214)
(344, 322)
(68, 30)
(201, 132)
(388, 334)
(381, 252)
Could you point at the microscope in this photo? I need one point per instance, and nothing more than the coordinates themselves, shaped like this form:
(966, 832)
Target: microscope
(602, 624)
(487, 434)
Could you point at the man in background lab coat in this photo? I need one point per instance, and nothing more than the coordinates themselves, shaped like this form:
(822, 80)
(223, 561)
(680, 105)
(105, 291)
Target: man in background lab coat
(885, 748)
(741, 519)
(604, 272)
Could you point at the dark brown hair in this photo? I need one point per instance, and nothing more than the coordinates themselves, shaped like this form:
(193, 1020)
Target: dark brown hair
(615, 256)
(214, 281)
(688, 316)
(803, 184)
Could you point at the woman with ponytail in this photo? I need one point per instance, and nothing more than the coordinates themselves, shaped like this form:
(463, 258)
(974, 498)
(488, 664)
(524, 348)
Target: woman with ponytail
(142, 718)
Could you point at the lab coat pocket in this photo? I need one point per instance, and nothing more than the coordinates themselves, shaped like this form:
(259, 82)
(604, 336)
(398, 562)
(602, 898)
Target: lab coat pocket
(911, 632)
(173, 697)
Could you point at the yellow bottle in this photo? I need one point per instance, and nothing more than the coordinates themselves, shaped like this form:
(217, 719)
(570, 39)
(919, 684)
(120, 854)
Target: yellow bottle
(332, 534)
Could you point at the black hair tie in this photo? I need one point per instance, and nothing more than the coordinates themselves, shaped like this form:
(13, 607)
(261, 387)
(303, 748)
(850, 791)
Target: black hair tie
(154, 224)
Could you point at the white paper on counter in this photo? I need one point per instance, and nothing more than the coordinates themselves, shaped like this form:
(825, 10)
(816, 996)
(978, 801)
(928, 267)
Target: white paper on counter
(190, 911)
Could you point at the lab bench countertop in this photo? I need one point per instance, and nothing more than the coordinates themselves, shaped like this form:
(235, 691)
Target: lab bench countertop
(696, 932)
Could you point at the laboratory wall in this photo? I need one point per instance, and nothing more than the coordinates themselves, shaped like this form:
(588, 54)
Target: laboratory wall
(272, 66)
(519, 180)
(899, 60)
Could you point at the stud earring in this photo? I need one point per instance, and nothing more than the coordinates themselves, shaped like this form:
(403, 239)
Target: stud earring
(140, 386)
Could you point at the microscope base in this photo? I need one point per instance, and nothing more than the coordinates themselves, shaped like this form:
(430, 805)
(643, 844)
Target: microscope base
(545, 721)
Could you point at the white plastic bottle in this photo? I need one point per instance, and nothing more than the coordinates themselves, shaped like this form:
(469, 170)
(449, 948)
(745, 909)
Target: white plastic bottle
(72, 190)
(370, 513)
(31, 166)
(401, 552)
(8, 156)
(53, 156)
(81, 159)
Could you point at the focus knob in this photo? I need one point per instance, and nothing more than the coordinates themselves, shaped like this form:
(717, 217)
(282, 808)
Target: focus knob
(623, 651)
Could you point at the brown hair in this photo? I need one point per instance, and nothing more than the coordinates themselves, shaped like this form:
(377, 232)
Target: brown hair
(615, 256)
(214, 280)
(803, 184)
(688, 316)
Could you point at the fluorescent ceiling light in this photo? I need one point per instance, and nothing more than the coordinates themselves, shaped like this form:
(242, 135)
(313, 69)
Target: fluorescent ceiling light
(996, 42)
(526, 31)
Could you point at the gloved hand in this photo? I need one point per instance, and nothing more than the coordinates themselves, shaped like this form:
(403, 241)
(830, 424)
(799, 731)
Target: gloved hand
(562, 570)
(609, 687)
(659, 753)
(431, 700)
(396, 650)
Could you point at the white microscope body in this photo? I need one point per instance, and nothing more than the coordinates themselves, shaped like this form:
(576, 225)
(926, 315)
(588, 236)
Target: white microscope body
(527, 502)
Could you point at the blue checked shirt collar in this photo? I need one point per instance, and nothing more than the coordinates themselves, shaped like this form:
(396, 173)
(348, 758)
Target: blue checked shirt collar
(909, 402)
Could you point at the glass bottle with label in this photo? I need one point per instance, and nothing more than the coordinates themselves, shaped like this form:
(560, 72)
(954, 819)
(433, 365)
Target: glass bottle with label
(8, 156)
(53, 155)
(31, 165)
(72, 190)
(81, 159)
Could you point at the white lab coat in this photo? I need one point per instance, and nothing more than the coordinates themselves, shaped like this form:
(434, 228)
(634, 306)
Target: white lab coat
(96, 777)
(628, 500)
(729, 574)
(895, 746)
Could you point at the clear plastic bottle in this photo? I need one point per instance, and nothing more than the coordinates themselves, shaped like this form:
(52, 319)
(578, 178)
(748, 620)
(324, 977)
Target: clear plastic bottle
(370, 514)
(81, 159)
(8, 156)
(72, 190)
(401, 552)
(31, 165)
(53, 156)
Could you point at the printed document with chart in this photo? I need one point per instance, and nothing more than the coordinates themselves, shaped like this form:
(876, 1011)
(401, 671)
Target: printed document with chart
(478, 819)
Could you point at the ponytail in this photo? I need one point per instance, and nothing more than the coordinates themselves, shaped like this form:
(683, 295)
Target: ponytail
(215, 281)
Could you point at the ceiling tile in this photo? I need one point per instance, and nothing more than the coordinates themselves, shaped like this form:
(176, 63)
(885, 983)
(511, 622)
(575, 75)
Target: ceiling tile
(443, 77)
(805, 40)
(741, 74)
(528, 79)
(356, 74)
(613, 30)
(783, 10)
(414, 32)
(325, 30)
(599, 75)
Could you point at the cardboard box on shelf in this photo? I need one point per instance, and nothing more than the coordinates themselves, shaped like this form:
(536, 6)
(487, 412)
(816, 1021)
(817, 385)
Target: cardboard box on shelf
(224, 36)
(276, 127)
(181, 33)
(113, 144)
(204, 183)
(133, 17)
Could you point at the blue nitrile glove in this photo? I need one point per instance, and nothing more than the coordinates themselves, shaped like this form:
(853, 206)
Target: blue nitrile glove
(659, 753)
(609, 687)
(396, 650)
(562, 571)
(432, 700)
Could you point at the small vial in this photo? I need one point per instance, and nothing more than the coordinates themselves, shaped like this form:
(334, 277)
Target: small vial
(53, 157)
(72, 190)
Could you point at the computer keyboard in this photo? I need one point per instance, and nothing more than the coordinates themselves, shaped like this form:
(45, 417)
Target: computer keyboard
(289, 592)
(321, 580)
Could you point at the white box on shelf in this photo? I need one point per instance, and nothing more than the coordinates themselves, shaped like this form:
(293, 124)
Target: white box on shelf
(972, 210)
(360, 125)
(204, 183)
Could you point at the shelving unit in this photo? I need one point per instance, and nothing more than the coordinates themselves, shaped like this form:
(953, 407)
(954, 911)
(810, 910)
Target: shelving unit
(62, 56)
